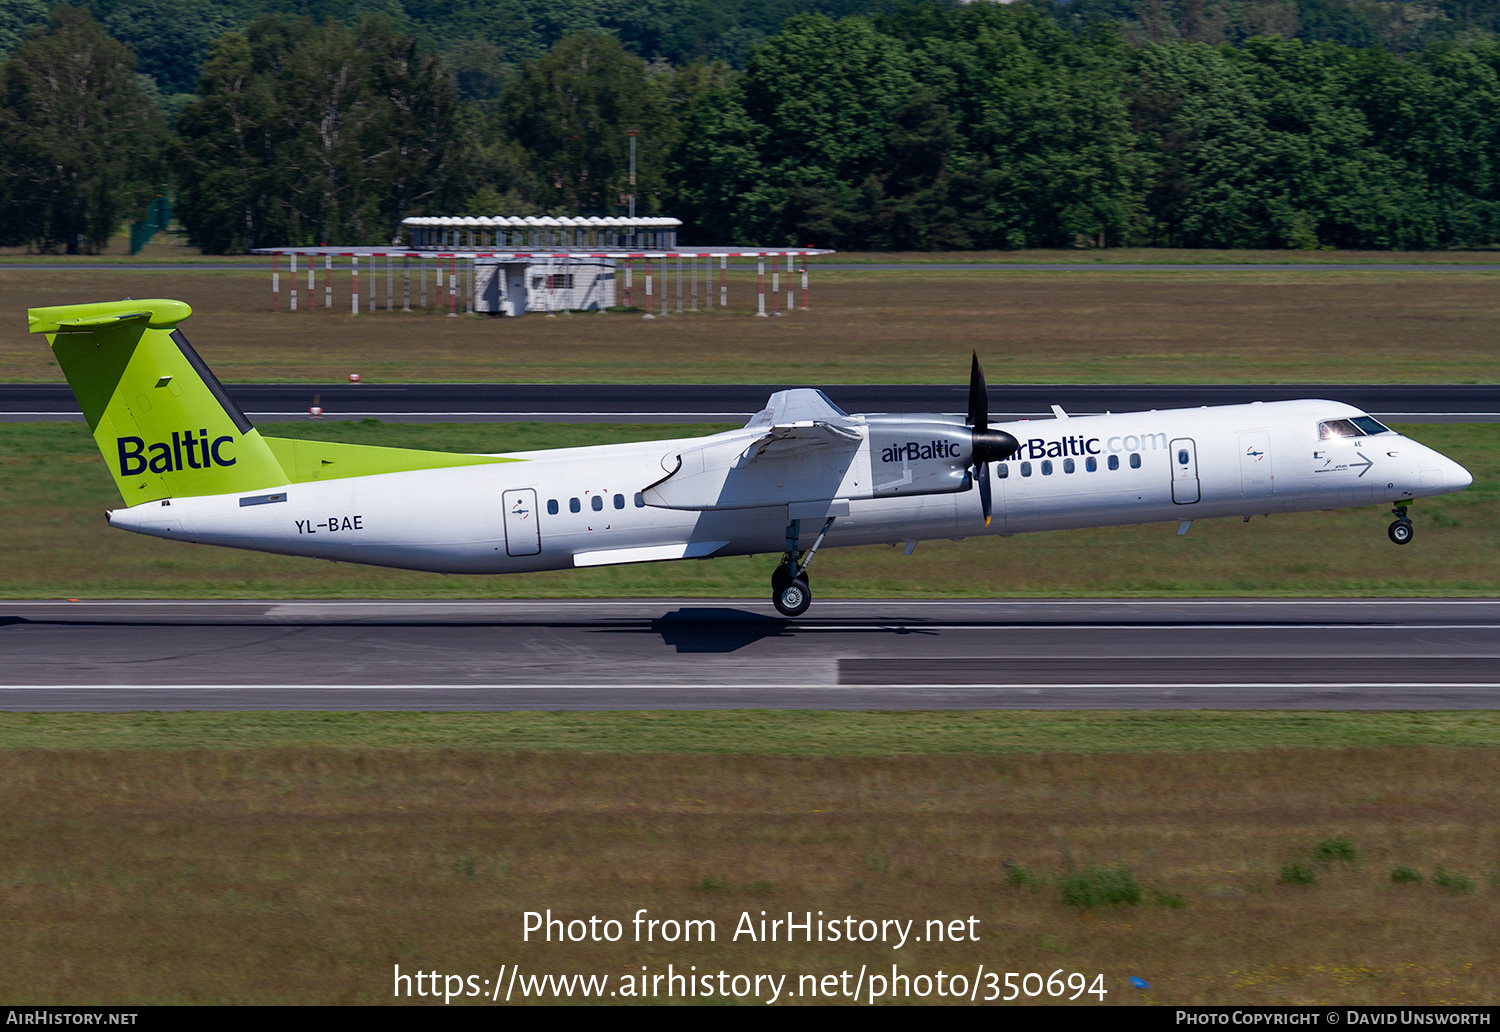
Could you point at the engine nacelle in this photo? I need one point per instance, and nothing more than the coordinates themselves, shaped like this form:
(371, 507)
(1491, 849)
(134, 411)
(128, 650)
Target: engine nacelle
(912, 456)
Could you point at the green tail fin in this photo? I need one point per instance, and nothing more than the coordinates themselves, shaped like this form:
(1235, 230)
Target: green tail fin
(161, 419)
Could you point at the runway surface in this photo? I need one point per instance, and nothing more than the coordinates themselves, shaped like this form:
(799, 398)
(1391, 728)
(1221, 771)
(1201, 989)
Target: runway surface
(687, 403)
(681, 654)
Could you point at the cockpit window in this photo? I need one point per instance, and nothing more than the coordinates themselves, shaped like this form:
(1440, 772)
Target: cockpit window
(1371, 426)
(1359, 426)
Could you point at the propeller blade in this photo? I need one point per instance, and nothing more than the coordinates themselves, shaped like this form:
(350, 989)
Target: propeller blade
(989, 445)
(984, 491)
(979, 398)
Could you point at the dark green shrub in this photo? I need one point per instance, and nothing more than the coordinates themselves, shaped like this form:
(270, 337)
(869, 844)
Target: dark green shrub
(1453, 882)
(1336, 848)
(1405, 874)
(1297, 874)
(1098, 886)
(1020, 875)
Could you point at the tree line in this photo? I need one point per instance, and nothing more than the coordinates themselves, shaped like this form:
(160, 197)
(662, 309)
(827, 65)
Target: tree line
(923, 127)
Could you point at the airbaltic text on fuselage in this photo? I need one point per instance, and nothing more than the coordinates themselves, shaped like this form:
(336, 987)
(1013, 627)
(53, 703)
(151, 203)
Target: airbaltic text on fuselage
(914, 450)
(1040, 448)
(199, 452)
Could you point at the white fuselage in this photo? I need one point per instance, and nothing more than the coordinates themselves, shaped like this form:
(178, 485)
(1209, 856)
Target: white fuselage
(1179, 464)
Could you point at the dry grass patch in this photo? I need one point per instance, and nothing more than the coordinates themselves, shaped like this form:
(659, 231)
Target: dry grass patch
(303, 875)
(864, 327)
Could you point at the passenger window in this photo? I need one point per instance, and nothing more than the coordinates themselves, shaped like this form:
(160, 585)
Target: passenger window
(573, 505)
(1046, 467)
(1091, 464)
(619, 501)
(598, 502)
(1004, 471)
(1114, 462)
(1135, 460)
(1067, 465)
(551, 506)
(1182, 457)
(640, 503)
(1025, 469)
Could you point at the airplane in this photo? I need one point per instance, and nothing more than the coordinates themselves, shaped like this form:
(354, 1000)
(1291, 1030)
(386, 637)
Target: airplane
(191, 467)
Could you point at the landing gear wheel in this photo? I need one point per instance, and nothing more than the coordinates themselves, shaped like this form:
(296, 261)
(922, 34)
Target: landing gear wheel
(1400, 531)
(782, 576)
(793, 598)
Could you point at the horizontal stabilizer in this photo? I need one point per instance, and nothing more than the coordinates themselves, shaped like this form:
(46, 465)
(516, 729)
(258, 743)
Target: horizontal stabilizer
(162, 314)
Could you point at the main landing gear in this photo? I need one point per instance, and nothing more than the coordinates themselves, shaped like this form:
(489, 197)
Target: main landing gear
(1400, 531)
(790, 593)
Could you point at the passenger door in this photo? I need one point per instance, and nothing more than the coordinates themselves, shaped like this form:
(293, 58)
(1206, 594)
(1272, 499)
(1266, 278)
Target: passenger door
(1185, 488)
(522, 527)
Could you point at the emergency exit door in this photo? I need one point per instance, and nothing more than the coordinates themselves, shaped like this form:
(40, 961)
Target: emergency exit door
(522, 528)
(1185, 488)
(1256, 478)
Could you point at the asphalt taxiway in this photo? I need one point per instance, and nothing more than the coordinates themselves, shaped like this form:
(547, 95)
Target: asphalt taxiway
(713, 654)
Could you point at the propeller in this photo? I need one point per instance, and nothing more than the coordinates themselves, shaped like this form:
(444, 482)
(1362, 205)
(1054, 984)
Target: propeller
(989, 445)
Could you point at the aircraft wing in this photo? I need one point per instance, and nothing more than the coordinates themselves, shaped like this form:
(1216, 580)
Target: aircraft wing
(798, 448)
(786, 438)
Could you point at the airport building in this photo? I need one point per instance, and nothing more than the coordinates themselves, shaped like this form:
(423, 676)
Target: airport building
(514, 265)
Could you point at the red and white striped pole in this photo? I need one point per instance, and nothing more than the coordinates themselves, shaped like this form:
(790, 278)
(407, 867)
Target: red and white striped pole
(312, 285)
(275, 283)
(723, 281)
(791, 261)
(761, 263)
(328, 281)
(775, 284)
(452, 287)
(648, 314)
(627, 282)
(804, 284)
(354, 284)
(294, 281)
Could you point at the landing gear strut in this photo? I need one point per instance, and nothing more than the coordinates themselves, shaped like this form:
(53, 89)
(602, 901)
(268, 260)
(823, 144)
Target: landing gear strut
(790, 593)
(1400, 531)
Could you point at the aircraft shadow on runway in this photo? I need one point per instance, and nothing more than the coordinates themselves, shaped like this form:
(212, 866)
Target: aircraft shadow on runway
(721, 629)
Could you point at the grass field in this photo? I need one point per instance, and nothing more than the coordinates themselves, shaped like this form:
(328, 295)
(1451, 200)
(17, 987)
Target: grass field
(294, 858)
(864, 327)
(54, 488)
(300, 856)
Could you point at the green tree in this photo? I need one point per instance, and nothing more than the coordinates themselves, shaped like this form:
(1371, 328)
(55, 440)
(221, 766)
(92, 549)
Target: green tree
(571, 111)
(83, 145)
(17, 19)
(1263, 146)
(310, 133)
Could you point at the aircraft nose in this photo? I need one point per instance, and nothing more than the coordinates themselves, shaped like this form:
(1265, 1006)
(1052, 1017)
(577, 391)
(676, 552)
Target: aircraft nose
(1457, 477)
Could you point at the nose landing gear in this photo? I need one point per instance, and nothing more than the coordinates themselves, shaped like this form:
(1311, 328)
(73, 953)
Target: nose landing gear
(790, 593)
(1400, 531)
